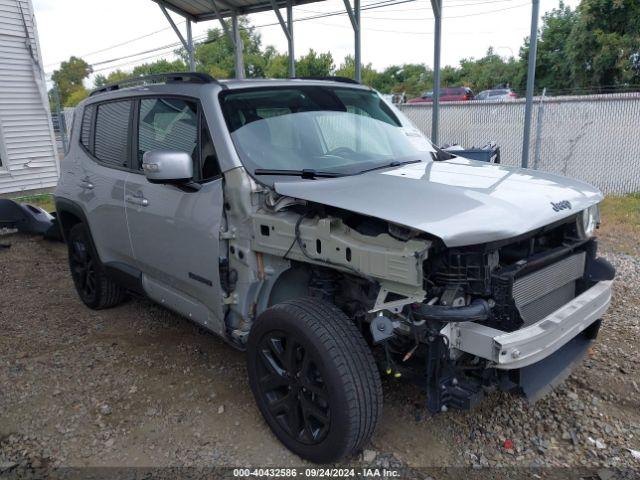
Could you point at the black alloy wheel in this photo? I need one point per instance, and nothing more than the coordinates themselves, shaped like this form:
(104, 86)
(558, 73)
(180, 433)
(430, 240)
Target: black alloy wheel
(95, 288)
(293, 387)
(314, 379)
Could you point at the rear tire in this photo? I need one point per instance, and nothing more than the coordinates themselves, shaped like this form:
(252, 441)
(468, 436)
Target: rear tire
(96, 290)
(314, 379)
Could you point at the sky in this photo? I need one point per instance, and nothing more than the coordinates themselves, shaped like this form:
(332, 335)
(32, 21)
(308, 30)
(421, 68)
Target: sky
(103, 32)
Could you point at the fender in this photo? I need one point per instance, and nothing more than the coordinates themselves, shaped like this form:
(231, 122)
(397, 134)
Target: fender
(65, 209)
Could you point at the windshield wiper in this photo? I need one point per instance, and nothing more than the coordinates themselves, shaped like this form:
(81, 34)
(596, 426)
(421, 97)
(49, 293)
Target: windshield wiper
(308, 173)
(395, 163)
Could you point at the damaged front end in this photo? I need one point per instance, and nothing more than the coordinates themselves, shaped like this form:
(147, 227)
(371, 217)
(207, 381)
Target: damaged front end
(514, 314)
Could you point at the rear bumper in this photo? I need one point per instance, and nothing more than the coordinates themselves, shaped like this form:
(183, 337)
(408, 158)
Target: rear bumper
(536, 342)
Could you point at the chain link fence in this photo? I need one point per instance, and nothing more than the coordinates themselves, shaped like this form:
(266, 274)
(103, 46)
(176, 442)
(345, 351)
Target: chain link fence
(595, 138)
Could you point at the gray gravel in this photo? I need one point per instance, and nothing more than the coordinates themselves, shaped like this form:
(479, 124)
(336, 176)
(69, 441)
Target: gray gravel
(139, 386)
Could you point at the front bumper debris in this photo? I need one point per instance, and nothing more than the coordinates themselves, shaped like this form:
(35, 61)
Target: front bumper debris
(535, 342)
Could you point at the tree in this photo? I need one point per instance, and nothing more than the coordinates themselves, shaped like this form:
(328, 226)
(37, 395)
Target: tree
(553, 69)
(157, 67)
(69, 77)
(216, 54)
(76, 97)
(604, 45)
(486, 72)
(116, 76)
(315, 65)
(411, 78)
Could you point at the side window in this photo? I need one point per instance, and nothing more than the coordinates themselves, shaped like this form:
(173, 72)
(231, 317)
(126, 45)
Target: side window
(209, 167)
(168, 124)
(112, 133)
(85, 128)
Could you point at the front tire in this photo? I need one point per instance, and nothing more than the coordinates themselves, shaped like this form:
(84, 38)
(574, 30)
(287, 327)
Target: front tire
(96, 290)
(314, 379)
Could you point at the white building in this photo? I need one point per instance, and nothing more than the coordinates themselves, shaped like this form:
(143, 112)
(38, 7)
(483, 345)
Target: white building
(28, 154)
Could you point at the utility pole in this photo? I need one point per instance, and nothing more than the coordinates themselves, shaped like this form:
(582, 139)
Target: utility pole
(531, 80)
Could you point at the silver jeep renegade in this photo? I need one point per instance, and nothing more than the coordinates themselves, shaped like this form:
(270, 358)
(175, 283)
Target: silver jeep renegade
(308, 222)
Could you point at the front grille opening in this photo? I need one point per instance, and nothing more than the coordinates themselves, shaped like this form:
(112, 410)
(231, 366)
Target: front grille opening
(527, 279)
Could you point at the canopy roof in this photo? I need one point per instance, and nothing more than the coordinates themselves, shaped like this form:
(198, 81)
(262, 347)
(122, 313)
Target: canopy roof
(201, 10)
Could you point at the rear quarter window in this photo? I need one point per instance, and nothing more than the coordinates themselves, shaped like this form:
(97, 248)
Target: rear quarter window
(111, 144)
(85, 128)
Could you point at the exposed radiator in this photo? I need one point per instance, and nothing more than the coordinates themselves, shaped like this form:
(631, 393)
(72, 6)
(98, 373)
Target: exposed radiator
(542, 292)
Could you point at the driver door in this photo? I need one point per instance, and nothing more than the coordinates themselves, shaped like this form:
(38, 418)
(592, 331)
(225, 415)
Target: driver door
(175, 233)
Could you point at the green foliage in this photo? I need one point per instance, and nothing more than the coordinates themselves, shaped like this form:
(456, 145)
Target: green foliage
(216, 54)
(486, 72)
(42, 200)
(315, 65)
(586, 49)
(116, 76)
(76, 97)
(69, 77)
(604, 45)
(154, 68)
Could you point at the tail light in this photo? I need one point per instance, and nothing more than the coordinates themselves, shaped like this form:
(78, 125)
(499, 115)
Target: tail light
(513, 94)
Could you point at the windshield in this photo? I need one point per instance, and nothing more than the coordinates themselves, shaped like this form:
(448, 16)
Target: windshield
(334, 130)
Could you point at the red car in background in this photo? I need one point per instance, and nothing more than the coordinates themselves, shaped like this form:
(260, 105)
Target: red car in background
(449, 94)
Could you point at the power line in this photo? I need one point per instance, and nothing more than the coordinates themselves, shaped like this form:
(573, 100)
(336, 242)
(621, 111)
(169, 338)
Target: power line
(370, 6)
(126, 42)
(378, 4)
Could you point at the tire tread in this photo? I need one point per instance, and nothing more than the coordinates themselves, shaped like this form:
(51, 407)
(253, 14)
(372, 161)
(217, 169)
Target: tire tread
(353, 360)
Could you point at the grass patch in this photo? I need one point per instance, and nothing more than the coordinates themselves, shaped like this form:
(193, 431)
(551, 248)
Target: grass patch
(42, 200)
(620, 222)
(622, 209)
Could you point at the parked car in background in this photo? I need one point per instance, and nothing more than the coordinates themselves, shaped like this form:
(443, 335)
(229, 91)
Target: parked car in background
(497, 94)
(449, 94)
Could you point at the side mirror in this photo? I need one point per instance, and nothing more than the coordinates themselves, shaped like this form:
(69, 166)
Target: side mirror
(170, 167)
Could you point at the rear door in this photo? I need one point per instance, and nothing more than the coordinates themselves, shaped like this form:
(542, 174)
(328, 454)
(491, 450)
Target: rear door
(175, 233)
(105, 152)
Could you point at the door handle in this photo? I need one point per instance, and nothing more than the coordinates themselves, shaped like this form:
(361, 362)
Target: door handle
(86, 183)
(137, 199)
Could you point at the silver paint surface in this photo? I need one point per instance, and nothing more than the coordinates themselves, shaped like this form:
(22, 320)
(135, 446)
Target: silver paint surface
(463, 202)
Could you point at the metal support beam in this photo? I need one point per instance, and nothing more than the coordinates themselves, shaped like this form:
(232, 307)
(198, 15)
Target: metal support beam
(238, 47)
(531, 79)
(436, 6)
(223, 24)
(188, 43)
(174, 26)
(190, 49)
(287, 28)
(354, 16)
(292, 56)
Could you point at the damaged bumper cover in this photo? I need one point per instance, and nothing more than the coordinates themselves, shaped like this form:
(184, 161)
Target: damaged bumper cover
(536, 342)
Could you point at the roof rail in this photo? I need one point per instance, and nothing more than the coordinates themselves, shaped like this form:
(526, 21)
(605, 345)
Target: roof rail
(174, 77)
(331, 79)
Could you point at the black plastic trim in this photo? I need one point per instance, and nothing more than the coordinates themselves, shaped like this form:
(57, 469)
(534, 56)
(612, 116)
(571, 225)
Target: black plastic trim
(128, 277)
(174, 77)
(64, 205)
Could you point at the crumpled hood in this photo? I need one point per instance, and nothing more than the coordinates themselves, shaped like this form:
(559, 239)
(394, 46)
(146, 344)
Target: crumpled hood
(463, 202)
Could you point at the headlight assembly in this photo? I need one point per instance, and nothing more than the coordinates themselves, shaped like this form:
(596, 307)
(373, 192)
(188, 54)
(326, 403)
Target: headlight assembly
(588, 221)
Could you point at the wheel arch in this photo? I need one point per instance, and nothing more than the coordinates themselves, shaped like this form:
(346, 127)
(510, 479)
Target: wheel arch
(69, 214)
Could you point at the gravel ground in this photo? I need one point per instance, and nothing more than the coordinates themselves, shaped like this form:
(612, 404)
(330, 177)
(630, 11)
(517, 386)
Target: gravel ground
(139, 386)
